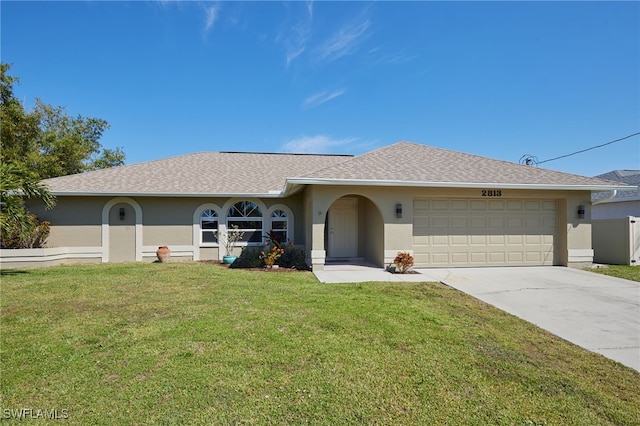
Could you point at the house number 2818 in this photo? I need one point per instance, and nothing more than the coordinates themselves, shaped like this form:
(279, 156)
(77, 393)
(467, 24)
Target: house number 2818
(492, 193)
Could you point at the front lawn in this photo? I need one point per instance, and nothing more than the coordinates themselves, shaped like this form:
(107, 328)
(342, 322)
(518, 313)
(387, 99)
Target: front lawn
(621, 271)
(191, 343)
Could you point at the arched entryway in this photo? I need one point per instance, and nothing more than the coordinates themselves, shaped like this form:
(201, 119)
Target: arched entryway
(122, 230)
(122, 233)
(354, 230)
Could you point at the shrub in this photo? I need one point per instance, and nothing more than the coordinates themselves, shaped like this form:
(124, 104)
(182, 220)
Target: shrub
(403, 261)
(293, 258)
(249, 258)
(35, 237)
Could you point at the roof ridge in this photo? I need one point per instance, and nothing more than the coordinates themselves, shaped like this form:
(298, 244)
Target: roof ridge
(356, 157)
(286, 153)
(348, 159)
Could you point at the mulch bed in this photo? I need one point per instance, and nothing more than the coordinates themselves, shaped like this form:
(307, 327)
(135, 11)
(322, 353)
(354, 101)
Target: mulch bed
(263, 269)
(393, 270)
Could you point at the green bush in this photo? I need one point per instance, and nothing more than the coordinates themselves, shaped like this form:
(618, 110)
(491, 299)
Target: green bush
(249, 258)
(35, 236)
(293, 258)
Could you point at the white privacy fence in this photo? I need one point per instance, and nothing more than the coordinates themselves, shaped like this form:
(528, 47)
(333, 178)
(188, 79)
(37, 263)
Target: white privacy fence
(616, 241)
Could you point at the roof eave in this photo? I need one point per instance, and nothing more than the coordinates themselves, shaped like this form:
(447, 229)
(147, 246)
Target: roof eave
(367, 182)
(294, 185)
(167, 194)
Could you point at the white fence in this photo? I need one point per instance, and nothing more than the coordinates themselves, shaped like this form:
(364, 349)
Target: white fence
(616, 241)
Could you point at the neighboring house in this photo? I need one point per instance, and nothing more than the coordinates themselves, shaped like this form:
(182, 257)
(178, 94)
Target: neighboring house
(624, 203)
(447, 208)
(616, 230)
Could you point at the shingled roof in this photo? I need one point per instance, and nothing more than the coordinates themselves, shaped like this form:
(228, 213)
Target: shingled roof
(257, 174)
(629, 177)
(421, 165)
(200, 174)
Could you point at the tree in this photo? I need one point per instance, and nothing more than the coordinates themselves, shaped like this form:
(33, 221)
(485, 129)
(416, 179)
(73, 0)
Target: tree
(49, 141)
(37, 145)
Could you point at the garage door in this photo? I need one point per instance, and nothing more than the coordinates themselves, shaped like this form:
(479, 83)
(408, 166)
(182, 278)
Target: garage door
(449, 232)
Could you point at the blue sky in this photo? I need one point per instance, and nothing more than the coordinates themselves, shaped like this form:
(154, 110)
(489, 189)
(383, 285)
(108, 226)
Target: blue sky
(497, 79)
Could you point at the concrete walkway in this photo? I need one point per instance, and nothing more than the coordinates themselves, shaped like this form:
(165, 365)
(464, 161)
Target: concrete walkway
(594, 311)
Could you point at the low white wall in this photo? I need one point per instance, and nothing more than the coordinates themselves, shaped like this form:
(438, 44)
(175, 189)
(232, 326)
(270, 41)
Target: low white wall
(41, 257)
(33, 258)
(177, 253)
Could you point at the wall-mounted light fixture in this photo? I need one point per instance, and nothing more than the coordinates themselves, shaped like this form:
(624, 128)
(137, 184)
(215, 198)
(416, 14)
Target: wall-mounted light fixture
(121, 213)
(581, 211)
(398, 210)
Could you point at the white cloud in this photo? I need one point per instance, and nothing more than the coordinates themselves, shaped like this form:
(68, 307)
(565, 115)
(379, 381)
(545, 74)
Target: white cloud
(294, 36)
(321, 97)
(310, 9)
(346, 40)
(319, 144)
(211, 15)
(293, 51)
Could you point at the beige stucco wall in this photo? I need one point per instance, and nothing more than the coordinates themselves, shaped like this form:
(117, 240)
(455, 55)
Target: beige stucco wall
(169, 222)
(579, 249)
(371, 231)
(122, 233)
(77, 221)
(396, 234)
(616, 209)
(573, 246)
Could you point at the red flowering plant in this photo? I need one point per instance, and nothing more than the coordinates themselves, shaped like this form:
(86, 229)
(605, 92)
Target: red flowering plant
(403, 261)
(273, 249)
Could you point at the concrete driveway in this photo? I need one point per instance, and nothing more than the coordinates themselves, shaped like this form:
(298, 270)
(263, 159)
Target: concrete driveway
(594, 311)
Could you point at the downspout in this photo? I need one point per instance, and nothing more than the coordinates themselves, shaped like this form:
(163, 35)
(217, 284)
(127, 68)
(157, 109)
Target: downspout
(612, 193)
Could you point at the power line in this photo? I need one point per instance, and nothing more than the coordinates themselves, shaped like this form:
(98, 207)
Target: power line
(533, 160)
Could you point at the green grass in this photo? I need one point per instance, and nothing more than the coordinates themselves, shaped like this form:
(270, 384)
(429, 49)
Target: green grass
(621, 271)
(190, 343)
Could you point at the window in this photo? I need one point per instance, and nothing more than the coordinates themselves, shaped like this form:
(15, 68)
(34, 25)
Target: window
(209, 227)
(280, 225)
(247, 216)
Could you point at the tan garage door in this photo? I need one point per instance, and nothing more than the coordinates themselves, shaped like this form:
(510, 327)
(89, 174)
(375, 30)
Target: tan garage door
(484, 232)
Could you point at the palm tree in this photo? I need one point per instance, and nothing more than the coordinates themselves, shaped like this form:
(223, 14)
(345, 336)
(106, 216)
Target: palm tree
(16, 184)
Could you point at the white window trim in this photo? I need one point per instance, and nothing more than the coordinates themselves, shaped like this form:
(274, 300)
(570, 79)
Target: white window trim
(201, 242)
(224, 219)
(290, 220)
(196, 232)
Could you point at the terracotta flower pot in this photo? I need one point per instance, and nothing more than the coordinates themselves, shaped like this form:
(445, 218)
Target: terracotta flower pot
(163, 254)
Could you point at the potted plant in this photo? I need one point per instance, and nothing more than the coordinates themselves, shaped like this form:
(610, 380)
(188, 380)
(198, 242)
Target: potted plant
(228, 240)
(163, 254)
